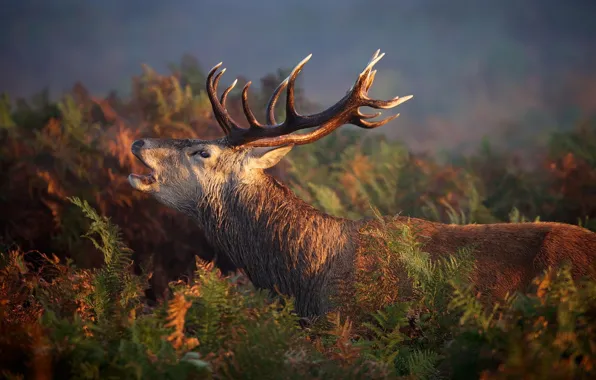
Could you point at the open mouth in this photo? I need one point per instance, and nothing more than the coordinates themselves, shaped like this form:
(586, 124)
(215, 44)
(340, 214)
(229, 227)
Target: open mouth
(144, 179)
(147, 180)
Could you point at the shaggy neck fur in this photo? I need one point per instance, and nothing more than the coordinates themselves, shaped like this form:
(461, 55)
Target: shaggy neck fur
(281, 242)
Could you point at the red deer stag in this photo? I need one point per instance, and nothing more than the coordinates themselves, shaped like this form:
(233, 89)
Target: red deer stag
(283, 243)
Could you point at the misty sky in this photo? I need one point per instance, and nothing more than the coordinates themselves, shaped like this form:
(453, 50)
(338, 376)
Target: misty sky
(473, 65)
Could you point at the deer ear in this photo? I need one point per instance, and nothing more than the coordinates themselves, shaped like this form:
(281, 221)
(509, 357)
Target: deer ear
(270, 158)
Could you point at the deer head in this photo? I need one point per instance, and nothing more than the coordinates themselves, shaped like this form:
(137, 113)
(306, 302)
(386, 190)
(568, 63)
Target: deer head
(185, 172)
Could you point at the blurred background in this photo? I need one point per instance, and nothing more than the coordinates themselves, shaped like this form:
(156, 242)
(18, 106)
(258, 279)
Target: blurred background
(476, 67)
(501, 127)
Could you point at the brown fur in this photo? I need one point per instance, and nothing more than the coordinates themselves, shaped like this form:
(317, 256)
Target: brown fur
(286, 245)
(507, 255)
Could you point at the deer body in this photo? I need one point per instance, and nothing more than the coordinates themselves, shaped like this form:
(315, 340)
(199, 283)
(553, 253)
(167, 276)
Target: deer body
(282, 243)
(286, 245)
(508, 256)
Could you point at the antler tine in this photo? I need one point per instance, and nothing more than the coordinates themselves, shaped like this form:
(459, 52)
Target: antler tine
(217, 77)
(273, 101)
(370, 80)
(221, 115)
(366, 77)
(345, 111)
(367, 115)
(375, 55)
(270, 113)
(375, 58)
(224, 95)
(360, 120)
(215, 84)
(373, 124)
(250, 116)
(291, 113)
(387, 104)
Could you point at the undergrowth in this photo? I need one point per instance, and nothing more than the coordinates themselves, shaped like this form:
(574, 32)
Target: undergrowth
(60, 321)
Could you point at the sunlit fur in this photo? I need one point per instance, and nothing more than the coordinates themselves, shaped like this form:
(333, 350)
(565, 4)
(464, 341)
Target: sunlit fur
(286, 245)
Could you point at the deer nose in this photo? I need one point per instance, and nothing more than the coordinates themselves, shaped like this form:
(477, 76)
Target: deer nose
(137, 145)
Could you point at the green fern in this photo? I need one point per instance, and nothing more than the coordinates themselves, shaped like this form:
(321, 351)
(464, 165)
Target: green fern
(388, 339)
(114, 282)
(421, 364)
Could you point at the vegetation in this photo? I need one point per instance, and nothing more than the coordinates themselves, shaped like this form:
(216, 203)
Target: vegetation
(78, 323)
(81, 293)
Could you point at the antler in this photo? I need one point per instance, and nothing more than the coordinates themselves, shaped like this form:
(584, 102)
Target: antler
(345, 111)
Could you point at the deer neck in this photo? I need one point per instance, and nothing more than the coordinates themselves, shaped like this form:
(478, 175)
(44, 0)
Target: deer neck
(280, 241)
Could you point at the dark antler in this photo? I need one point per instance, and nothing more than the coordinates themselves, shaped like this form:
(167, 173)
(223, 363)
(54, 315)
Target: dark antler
(346, 111)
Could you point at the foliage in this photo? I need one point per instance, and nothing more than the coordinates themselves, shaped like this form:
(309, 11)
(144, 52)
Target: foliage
(547, 333)
(60, 321)
(66, 322)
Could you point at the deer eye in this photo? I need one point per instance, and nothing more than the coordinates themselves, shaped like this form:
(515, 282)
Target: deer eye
(202, 153)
